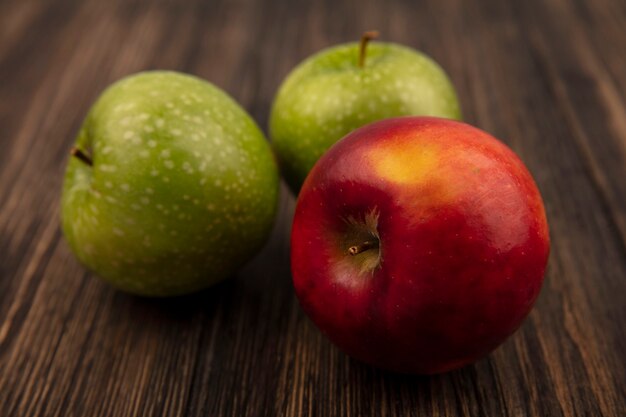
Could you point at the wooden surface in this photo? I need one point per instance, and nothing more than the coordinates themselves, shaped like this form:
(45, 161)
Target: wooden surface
(548, 77)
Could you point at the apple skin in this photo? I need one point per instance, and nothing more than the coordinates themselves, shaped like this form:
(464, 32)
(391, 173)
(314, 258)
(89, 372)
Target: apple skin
(183, 188)
(463, 244)
(329, 95)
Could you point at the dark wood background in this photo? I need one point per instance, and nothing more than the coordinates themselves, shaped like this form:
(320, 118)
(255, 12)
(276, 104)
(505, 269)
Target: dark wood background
(548, 77)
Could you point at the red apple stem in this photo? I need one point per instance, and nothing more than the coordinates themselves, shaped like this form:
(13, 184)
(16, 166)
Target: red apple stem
(362, 247)
(75, 152)
(365, 38)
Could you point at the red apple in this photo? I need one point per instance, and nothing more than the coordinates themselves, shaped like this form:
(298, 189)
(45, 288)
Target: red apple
(419, 244)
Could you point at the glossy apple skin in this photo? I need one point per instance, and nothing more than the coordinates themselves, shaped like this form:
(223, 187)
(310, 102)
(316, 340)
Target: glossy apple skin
(329, 95)
(463, 244)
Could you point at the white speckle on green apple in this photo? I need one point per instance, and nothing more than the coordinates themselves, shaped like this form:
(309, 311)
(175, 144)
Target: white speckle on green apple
(347, 86)
(172, 186)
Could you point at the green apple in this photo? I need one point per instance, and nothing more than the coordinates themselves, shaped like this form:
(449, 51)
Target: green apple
(345, 87)
(171, 188)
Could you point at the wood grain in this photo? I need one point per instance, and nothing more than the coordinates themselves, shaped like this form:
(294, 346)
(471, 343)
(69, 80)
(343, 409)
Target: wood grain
(548, 77)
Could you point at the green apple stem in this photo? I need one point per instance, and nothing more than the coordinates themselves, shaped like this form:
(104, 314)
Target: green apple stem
(362, 247)
(75, 152)
(365, 38)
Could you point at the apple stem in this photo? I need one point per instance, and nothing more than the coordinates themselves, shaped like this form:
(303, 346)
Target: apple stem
(365, 38)
(367, 245)
(81, 155)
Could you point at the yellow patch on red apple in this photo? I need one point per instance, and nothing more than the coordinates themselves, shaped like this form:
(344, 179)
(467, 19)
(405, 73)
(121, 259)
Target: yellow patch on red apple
(404, 162)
